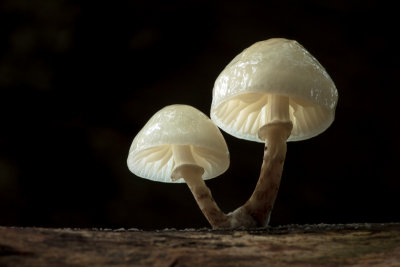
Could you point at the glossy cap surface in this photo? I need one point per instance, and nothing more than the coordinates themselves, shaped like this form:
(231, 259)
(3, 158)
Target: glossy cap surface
(275, 66)
(151, 153)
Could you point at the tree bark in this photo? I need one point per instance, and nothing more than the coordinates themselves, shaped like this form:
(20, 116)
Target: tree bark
(293, 245)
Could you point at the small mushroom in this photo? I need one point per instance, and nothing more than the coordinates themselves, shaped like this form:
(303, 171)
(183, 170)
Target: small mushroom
(274, 91)
(181, 144)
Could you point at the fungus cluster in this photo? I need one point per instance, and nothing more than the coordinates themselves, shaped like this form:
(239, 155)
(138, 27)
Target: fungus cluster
(273, 92)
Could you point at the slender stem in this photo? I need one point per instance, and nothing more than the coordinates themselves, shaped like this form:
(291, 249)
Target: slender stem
(276, 130)
(277, 109)
(192, 176)
(187, 168)
(256, 211)
(182, 154)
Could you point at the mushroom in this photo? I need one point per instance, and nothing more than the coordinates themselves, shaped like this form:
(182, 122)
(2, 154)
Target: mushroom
(181, 144)
(274, 91)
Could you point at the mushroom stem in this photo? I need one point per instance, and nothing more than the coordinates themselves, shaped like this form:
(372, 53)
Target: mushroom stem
(277, 109)
(182, 155)
(192, 176)
(256, 211)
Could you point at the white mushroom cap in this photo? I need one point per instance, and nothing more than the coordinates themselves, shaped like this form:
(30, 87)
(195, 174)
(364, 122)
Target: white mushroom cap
(176, 126)
(275, 66)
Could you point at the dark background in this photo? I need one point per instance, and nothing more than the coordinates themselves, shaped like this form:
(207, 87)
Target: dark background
(78, 80)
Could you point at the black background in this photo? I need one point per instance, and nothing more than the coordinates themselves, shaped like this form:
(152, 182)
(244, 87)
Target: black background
(78, 80)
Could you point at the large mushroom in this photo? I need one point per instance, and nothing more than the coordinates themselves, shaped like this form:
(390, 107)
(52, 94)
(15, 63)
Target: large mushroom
(181, 144)
(274, 91)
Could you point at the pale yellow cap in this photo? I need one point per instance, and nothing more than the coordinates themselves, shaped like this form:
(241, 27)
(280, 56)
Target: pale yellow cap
(151, 152)
(275, 66)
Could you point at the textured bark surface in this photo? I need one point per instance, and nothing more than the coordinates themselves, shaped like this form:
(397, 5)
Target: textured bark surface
(307, 245)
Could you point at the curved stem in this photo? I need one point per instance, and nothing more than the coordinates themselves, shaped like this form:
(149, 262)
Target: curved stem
(256, 211)
(192, 176)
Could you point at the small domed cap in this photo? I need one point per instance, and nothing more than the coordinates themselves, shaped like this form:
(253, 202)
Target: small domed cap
(275, 66)
(151, 153)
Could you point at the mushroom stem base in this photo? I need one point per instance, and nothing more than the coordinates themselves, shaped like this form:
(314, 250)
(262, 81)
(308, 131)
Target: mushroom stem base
(256, 211)
(192, 176)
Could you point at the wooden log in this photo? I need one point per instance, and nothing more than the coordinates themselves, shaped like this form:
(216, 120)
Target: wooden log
(292, 245)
